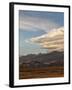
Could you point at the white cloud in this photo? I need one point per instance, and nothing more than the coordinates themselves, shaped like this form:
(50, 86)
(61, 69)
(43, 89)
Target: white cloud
(53, 40)
(28, 23)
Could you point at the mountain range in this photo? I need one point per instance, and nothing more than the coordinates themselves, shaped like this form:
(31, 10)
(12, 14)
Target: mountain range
(42, 60)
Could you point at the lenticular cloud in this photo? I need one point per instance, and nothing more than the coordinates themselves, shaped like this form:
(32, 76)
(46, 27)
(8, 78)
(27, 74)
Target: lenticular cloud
(53, 40)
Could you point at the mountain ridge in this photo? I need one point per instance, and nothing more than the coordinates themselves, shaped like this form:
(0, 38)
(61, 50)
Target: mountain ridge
(54, 58)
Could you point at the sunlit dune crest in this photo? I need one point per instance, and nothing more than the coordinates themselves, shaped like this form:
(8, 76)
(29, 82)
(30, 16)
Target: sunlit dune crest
(53, 40)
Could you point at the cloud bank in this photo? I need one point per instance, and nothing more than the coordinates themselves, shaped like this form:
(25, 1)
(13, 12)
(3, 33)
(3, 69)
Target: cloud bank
(53, 40)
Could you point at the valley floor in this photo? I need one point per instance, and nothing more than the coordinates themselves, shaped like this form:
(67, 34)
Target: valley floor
(42, 72)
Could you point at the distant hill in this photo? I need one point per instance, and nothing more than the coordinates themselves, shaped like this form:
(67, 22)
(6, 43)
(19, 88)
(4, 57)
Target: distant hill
(43, 60)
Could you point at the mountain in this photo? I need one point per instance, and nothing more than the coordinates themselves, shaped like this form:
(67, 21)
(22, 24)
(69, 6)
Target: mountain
(42, 60)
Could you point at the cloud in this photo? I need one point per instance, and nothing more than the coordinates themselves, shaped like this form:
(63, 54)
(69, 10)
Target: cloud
(53, 40)
(29, 23)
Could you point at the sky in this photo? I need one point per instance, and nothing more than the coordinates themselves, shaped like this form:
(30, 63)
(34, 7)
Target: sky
(40, 32)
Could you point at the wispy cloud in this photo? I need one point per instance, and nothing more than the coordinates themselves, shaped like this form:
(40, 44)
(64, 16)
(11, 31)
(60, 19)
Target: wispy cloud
(53, 40)
(29, 23)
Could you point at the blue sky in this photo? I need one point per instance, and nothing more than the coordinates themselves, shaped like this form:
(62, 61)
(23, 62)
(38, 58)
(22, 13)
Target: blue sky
(34, 24)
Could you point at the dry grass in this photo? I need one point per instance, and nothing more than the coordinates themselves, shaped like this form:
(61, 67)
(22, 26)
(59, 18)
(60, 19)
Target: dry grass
(42, 72)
